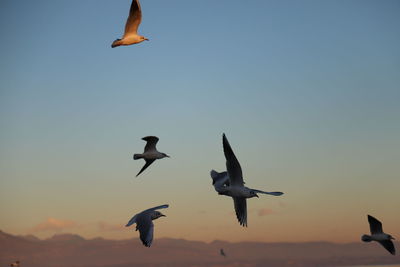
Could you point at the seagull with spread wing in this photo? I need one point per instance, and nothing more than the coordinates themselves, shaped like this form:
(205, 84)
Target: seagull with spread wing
(222, 252)
(231, 184)
(150, 153)
(131, 27)
(378, 235)
(144, 223)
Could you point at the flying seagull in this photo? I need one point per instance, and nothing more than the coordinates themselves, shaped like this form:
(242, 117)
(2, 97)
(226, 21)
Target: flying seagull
(231, 184)
(144, 223)
(378, 235)
(150, 153)
(222, 252)
(132, 24)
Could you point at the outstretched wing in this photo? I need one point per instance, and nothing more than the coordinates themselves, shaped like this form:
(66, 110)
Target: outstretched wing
(146, 228)
(148, 163)
(219, 178)
(134, 19)
(268, 193)
(375, 226)
(388, 244)
(151, 143)
(241, 210)
(232, 164)
(134, 218)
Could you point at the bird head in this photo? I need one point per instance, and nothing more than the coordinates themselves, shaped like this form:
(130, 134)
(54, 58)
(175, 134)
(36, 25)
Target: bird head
(157, 215)
(142, 38)
(253, 194)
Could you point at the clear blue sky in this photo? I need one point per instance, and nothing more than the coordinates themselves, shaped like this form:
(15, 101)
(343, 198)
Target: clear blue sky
(306, 91)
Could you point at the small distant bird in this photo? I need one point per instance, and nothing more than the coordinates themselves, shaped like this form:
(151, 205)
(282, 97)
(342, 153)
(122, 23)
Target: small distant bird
(15, 264)
(231, 184)
(132, 24)
(144, 223)
(222, 252)
(150, 153)
(378, 235)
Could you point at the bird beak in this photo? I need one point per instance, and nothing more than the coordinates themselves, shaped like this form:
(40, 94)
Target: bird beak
(257, 196)
(162, 215)
(147, 39)
(168, 156)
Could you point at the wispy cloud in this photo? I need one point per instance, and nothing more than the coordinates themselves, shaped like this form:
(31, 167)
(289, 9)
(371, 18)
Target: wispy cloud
(265, 212)
(108, 227)
(53, 224)
(282, 204)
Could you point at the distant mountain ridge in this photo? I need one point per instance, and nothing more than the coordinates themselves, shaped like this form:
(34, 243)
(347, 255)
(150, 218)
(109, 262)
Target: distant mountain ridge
(70, 250)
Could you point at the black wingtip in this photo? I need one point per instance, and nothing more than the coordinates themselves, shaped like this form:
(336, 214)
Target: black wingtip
(225, 143)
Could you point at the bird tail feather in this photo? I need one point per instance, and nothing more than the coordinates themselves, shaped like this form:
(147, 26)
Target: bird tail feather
(137, 156)
(116, 43)
(366, 238)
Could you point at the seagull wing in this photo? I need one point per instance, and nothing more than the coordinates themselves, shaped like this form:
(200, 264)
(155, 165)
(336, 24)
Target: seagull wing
(219, 178)
(241, 210)
(148, 163)
(151, 143)
(133, 220)
(134, 19)
(375, 226)
(146, 228)
(232, 164)
(388, 244)
(268, 193)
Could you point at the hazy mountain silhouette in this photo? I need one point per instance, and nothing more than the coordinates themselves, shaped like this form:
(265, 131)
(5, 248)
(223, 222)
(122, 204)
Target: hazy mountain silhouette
(73, 251)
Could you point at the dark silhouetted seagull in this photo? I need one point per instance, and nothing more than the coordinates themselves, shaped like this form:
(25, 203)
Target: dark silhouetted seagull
(378, 235)
(144, 223)
(150, 153)
(222, 252)
(132, 24)
(231, 184)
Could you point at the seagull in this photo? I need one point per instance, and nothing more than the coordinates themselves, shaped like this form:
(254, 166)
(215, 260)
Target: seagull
(144, 223)
(132, 24)
(222, 252)
(378, 235)
(150, 153)
(15, 264)
(231, 184)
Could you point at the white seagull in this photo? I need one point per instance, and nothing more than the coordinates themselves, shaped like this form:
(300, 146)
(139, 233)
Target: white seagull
(132, 24)
(231, 184)
(144, 223)
(378, 235)
(150, 153)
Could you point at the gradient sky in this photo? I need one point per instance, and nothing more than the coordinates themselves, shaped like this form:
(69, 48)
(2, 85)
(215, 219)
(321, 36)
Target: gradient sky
(307, 93)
